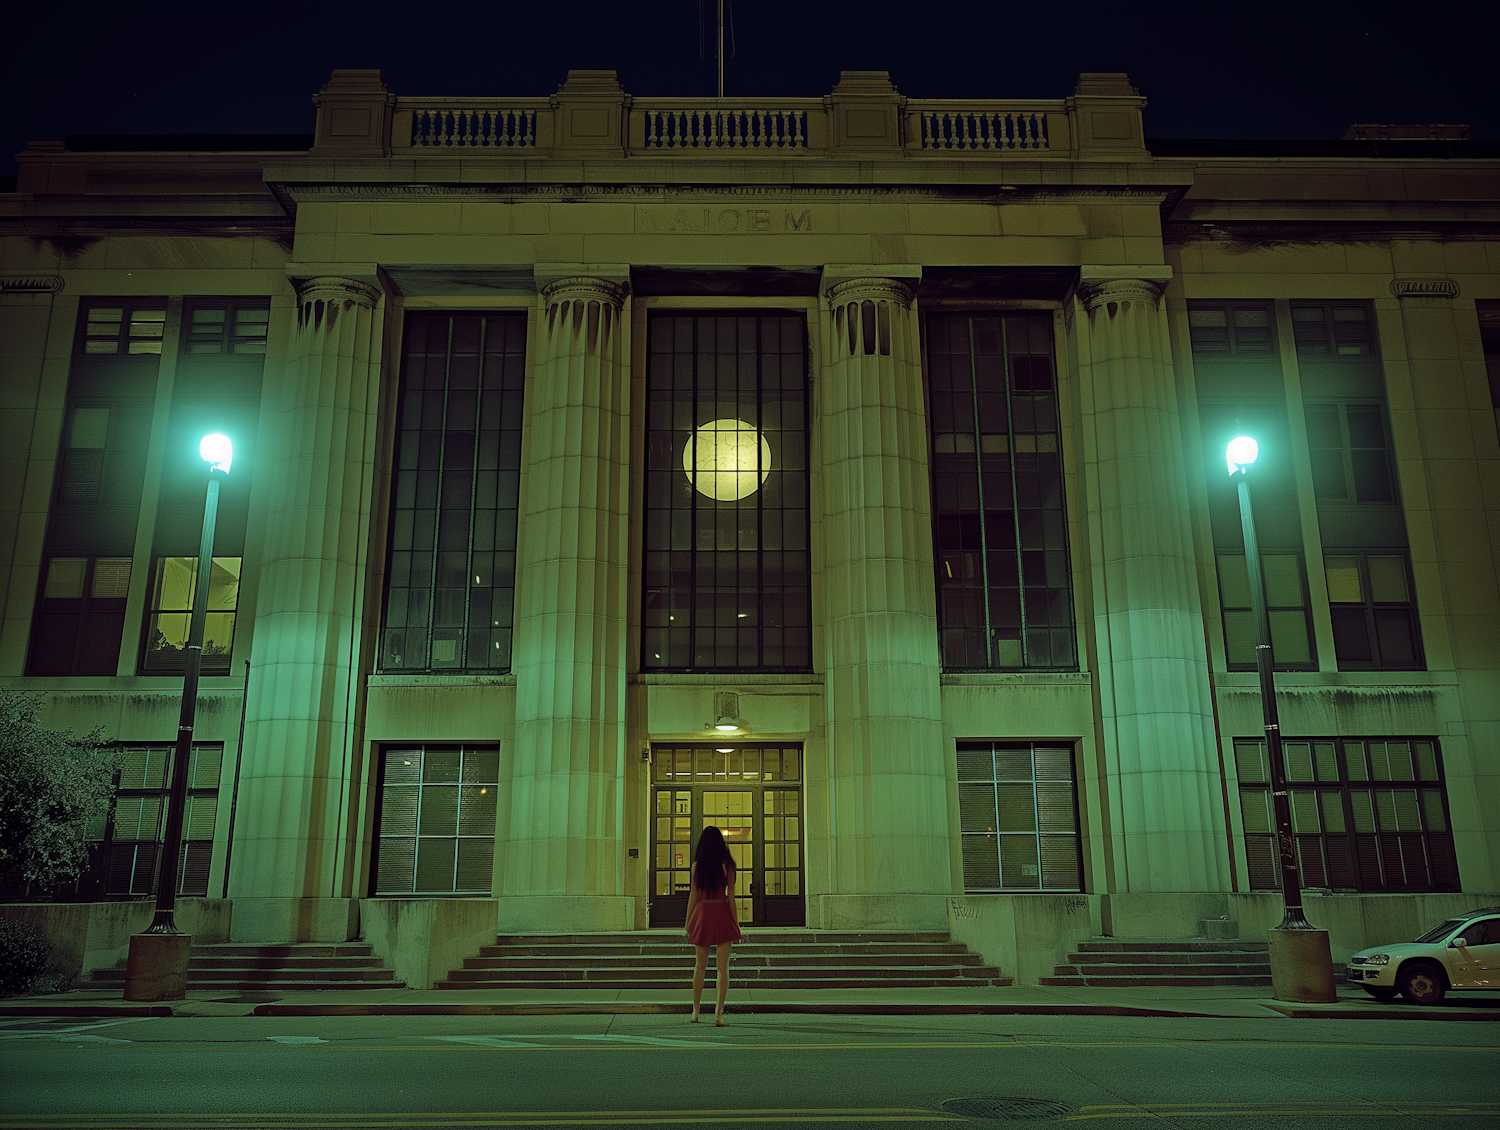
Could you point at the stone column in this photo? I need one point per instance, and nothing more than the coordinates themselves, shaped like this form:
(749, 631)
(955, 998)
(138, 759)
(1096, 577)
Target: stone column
(562, 867)
(318, 429)
(1450, 494)
(889, 840)
(1152, 675)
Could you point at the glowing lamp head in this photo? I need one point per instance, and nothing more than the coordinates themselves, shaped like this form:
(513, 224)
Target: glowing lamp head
(1240, 454)
(217, 452)
(726, 724)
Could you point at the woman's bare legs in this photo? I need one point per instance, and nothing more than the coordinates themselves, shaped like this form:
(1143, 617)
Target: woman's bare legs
(723, 980)
(698, 971)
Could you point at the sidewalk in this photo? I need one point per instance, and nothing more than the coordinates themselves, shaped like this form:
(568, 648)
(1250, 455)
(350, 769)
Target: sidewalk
(1352, 1004)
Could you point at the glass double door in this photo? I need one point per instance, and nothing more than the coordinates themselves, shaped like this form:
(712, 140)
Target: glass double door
(752, 794)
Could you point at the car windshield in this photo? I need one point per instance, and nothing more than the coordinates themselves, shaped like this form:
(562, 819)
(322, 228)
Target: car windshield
(1438, 933)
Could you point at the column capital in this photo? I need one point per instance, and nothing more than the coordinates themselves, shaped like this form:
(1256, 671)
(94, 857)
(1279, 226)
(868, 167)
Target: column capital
(331, 288)
(597, 282)
(1095, 292)
(585, 288)
(894, 281)
(1424, 288)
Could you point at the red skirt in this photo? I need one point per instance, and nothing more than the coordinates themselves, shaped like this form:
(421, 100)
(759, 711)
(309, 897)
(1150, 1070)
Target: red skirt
(713, 923)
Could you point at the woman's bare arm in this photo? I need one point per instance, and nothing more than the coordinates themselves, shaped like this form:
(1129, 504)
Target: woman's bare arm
(692, 889)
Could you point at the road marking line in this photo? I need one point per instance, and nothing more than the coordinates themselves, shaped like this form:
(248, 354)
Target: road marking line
(486, 1041)
(476, 1119)
(296, 1041)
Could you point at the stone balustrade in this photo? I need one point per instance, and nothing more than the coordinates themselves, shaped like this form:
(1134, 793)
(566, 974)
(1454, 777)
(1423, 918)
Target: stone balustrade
(864, 117)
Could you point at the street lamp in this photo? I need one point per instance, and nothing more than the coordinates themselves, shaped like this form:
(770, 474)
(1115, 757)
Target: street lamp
(157, 966)
(1301, 963)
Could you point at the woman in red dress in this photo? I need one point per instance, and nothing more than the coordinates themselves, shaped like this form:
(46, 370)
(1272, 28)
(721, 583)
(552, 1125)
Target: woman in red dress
(711, 918)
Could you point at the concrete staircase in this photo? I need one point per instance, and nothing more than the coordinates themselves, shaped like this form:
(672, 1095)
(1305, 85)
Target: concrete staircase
(766, 959)
(1130, 962)
(288, 967)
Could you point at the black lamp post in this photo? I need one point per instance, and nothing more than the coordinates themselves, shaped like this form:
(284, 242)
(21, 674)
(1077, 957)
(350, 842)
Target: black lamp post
(1301, 968)
(157, 966)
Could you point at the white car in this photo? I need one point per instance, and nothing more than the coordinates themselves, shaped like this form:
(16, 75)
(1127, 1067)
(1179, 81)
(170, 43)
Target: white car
(1462, 954)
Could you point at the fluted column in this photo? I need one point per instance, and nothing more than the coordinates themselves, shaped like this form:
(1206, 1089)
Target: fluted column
(319, 429)
(890, 848)
(562, 866)
(1449, 462)
(1166, 826)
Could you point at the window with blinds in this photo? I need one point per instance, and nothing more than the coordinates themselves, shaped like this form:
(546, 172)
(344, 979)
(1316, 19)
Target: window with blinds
(81, 616)
(1018, 814)
(1374, 616)
(1368, 814)
(437, 820)
(1287, 608)
(170, 614)
(125, 847)
(450, 585)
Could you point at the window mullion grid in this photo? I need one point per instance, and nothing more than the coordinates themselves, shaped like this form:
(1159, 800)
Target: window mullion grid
(1036, 814)
(1015, 491)
(760, 499)
(984, 556)
(435, 576)
(462, 751)
(478, 446)
(693, 433)
(995, 793)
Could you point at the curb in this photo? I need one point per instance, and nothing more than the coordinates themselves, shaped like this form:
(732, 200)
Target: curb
(1299, 1012)
(605, 1009)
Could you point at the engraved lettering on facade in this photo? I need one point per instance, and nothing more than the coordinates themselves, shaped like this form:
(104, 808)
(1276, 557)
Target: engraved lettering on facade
(760, 219)
(800, 222)
(729, 220)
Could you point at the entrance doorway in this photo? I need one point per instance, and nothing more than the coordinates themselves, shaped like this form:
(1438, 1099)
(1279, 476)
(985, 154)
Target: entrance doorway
(753, 794)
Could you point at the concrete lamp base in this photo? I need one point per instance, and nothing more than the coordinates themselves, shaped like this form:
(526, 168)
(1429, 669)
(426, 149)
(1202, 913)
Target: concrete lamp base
(156, 969)
(1301, 966)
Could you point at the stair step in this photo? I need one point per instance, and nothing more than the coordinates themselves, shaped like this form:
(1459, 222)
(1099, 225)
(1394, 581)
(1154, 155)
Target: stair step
(1126, 982)
(1260, 969)
(680, 944)
(741, 961)
(683, 983)
(1170, 957)
(1169, 945)
(286, 949)
(752, 936)
(320, 976)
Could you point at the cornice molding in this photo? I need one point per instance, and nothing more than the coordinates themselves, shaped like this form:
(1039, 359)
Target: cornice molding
(1309, 232)
(676, 194)
(1424, 288)
(31, 284)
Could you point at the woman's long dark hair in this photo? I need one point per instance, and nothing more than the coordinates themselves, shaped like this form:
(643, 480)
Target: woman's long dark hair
(713, 860)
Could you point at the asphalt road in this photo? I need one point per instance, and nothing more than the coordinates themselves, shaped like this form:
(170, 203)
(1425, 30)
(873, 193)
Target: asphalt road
(761, 1071)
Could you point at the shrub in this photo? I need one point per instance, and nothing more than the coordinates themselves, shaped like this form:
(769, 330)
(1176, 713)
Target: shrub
(23, 955)
(53, 786)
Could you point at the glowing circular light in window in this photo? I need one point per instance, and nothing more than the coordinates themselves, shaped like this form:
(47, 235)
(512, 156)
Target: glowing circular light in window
(726, 459)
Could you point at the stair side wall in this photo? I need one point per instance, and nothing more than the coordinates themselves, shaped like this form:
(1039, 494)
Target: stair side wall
(96, 935)
(1024, 936)
(421, 940)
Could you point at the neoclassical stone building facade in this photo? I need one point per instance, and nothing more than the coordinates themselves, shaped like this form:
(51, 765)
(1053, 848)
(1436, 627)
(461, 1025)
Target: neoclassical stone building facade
(845, 472)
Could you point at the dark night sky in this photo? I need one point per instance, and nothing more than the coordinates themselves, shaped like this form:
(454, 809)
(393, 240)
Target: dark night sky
(1271, 70)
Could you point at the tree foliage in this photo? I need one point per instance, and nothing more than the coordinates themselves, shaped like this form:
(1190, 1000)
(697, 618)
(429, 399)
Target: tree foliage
(53, 783)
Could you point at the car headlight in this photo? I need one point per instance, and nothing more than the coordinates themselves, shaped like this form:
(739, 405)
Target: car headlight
(1378, 959)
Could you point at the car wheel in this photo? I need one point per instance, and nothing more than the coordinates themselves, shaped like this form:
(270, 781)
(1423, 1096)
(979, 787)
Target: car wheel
(1380, 994)
(1422, 982)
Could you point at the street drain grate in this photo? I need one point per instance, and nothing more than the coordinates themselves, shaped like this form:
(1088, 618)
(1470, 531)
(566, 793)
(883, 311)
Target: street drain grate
(1008, 1109)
